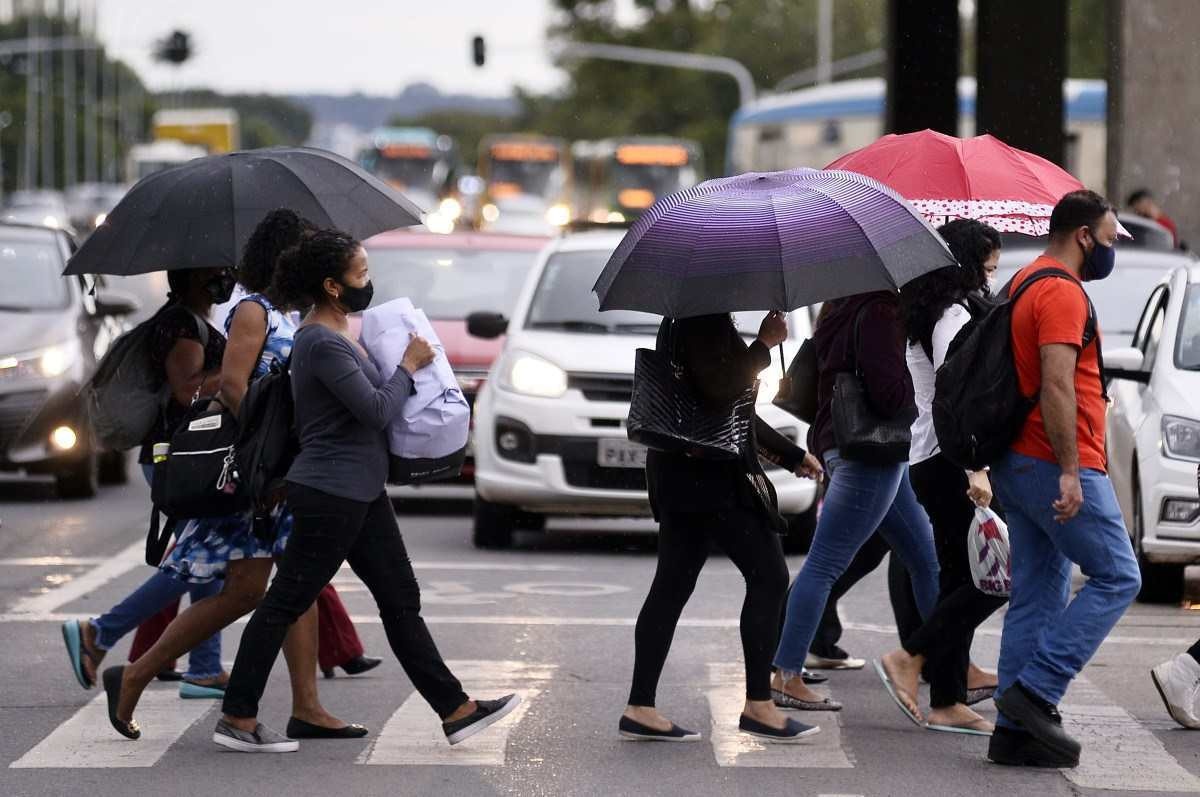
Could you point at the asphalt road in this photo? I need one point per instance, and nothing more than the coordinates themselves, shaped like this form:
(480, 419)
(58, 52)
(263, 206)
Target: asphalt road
(552, 618)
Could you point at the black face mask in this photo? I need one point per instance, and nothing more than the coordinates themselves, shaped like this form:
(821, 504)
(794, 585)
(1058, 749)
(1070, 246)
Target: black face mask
(355, 300)
(220, 287)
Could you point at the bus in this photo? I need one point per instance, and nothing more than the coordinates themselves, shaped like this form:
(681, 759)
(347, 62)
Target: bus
(217, 130)
(526, 184)
(415, 160)
(815, 126)
(617, 179)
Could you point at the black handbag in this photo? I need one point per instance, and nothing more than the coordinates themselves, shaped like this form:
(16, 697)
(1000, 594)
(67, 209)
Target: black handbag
(798, 389)
(862, 434)
(665, 413)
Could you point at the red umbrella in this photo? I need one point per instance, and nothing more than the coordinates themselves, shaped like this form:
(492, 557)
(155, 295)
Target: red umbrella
(978, 178)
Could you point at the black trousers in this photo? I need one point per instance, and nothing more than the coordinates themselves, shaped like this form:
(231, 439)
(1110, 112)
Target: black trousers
(945, 638)
(904, 605)
(327, 531)
(683, 543)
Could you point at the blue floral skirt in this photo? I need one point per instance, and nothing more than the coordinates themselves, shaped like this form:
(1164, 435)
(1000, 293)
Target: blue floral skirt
(206, 545)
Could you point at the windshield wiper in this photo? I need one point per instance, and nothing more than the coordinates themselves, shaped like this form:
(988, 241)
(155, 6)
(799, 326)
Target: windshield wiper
(572, 326)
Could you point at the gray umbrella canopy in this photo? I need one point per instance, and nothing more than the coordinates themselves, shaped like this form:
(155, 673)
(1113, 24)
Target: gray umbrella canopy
(200, 214)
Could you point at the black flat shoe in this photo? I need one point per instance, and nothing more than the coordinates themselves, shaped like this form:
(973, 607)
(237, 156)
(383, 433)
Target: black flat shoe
(170, 676)
(112, 689)
(299, 729)
(1016, 748)
(356, 666)
(813, 678)
(637, 732)
(486, 713)
(793, 731)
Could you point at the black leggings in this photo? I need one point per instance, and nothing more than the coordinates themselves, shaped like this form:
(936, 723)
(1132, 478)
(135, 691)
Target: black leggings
(327, 531)
(683, 542)
(945, 638)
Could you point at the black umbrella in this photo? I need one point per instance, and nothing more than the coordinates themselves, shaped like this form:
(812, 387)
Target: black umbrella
(200, 214)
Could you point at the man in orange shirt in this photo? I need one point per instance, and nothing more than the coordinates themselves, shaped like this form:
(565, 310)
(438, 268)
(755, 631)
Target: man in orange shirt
(1060, 505)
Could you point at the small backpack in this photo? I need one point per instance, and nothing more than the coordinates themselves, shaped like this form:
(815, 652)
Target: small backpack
(126, 396)
(267, 443)
(978, 407)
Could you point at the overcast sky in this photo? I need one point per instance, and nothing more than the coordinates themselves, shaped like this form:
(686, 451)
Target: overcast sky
(374, 46)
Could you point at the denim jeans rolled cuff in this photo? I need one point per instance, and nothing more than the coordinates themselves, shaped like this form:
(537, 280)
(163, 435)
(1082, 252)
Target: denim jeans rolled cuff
(861, 499)
(159, 590)
(1048, 636)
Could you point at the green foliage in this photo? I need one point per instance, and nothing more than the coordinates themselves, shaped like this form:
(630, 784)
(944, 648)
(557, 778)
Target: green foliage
(1087, 39)
(266, 120)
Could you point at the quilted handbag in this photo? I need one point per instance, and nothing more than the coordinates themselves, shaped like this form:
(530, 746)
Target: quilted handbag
(665, 413)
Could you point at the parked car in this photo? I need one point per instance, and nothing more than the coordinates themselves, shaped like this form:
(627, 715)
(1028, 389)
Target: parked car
(53, 330)
(448, 276)
(1154, 434)
(550, 420)
(1118, 299)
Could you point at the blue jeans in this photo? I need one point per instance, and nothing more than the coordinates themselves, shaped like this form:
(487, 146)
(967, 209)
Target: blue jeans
(158, 592)
(1048, 638)
(861, 498)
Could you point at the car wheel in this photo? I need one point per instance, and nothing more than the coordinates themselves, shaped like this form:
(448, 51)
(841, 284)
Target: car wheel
(82, 480)
(800, 532)
(531, 521)
(1161, 583)
(114, 468)
(494, 524)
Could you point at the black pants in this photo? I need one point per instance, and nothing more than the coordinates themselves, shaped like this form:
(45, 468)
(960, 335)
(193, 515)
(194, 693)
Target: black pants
(945, 638)
(683, 542)
(904, 605)
(327, 531)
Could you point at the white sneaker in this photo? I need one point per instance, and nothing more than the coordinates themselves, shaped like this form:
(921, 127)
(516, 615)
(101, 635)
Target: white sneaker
(1178, 683)
(814, 662)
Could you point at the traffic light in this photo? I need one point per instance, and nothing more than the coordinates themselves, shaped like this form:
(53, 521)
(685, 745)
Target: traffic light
(478, 51)
(175, 49)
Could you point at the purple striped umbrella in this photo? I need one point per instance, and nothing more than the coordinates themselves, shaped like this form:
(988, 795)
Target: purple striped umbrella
(770, 241)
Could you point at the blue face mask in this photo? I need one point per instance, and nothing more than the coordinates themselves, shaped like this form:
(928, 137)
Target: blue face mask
(1100, 262)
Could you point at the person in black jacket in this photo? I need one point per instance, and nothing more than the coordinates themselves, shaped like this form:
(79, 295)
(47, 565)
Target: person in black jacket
(730, 502)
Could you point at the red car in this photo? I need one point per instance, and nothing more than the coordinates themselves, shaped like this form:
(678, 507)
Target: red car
(450, 277)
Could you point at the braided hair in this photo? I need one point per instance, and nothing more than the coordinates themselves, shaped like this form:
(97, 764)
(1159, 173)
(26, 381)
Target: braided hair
(303, 268)
(278, 230)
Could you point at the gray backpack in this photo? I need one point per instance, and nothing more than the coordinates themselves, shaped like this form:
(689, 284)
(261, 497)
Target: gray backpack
(126, 396)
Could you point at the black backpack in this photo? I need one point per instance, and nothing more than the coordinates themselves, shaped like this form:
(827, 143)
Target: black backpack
(978, 407)
(267, 443)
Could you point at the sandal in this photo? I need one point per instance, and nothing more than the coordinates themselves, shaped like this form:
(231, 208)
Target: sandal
(979, 727)
(78, 653)
(112, 688)
(980, 694)
(899, 697)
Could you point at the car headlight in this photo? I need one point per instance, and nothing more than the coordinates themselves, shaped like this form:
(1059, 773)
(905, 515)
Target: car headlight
(48, 363)
(558, 215)
(1181, 438)
(490, 212)
(533, 376)
(440, 223)
(451, 208)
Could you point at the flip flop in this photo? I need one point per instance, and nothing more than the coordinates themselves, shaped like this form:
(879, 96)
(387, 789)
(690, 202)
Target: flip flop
(979, 727)
(980, 694)
(192, 691)
(895, 693)
(73, 639)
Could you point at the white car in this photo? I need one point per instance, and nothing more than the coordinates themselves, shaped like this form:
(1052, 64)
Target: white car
(1154, 433)
(550, 434)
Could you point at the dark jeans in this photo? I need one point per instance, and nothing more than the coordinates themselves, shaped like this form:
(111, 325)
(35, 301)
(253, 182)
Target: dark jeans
(945, 638)
(684, 539)
(329, 530)
(904, 605)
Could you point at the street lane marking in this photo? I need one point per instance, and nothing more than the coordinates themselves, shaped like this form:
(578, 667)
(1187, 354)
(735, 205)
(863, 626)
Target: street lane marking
(585, 622)
(413, 735)
(53, 561)
(114, 567)
(732, 748)
(88, 741)
(1119, 753)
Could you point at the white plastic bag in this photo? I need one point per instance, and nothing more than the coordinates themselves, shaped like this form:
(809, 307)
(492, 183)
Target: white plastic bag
(428, 440)
(987, 547)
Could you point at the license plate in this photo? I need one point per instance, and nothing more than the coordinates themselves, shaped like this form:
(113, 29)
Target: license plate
(621, 454)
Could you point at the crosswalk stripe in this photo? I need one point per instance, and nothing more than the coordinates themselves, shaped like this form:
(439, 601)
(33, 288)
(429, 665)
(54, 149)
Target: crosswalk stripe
(733, 748)
(114, 567)
(413, 735)
(1119, 753)
(88, 741)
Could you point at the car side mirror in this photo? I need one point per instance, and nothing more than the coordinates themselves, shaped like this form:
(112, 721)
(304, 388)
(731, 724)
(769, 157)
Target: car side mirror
(116, 304)
(488, 326)
(1126, 363)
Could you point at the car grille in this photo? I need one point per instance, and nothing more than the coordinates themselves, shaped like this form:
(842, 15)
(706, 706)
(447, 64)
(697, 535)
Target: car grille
(16, 411)
(603, 387)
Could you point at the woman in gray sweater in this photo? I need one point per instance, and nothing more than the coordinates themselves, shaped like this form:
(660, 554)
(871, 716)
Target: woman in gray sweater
(336, 494)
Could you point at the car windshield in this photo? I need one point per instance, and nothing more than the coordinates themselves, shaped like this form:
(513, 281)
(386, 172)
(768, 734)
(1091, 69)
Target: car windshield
(1119, 299)
(31, 267)
(1187, 344)
(537, 178)
(417, 172)
(449, 283)
(564, 301)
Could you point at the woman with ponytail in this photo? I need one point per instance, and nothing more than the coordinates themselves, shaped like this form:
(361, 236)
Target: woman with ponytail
(337, 497)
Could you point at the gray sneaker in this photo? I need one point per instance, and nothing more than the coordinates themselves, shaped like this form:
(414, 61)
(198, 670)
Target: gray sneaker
(262, 740)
